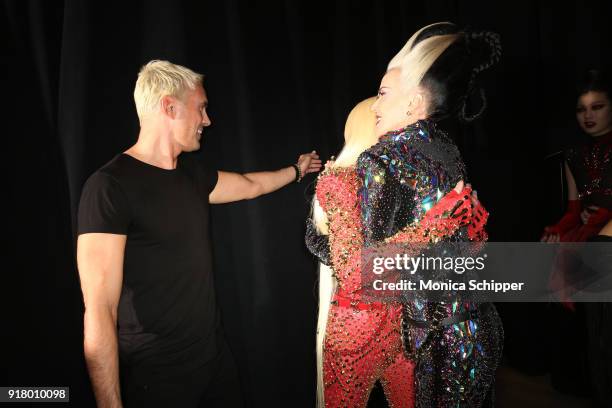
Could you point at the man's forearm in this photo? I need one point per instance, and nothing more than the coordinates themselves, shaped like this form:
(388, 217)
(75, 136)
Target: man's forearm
(269, 181)
(102, 358)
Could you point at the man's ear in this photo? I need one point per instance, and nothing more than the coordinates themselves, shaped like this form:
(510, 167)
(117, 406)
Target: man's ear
(168, 106)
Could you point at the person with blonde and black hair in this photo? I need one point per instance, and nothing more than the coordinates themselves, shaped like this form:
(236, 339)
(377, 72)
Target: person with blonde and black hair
(358, 341)
(456, 344)
(145, 259)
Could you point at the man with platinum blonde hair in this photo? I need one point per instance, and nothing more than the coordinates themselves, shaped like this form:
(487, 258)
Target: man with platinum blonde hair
(152, 335)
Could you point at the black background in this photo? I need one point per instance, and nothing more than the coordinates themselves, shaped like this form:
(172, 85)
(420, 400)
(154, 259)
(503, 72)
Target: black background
(281, 77)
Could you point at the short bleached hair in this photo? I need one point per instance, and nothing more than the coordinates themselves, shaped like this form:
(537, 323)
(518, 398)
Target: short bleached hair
(160, 78)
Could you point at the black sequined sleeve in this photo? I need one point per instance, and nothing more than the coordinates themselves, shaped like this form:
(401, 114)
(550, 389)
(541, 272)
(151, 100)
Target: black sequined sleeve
(378, 198)
(317, 244)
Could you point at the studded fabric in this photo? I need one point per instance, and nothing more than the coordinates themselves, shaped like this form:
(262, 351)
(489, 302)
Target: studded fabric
(363, 342)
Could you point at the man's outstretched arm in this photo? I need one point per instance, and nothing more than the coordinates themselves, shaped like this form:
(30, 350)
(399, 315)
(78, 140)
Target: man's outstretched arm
(235, 187)
(100, 263)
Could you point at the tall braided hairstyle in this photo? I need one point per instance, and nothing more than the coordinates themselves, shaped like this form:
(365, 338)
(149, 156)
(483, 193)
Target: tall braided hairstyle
(447, 61)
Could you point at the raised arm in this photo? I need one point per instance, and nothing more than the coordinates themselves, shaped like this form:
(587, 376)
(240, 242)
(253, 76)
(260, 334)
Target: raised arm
(100, 263)
(572, 190)
(235, 187)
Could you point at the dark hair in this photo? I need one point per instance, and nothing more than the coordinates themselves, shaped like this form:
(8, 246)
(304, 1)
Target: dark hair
(595, 80)
(452, 78)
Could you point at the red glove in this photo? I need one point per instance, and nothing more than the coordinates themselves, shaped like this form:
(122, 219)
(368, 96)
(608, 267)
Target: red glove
(453, 207)
(453, 211)
(476, 229)
(570, 219)
(456, 210)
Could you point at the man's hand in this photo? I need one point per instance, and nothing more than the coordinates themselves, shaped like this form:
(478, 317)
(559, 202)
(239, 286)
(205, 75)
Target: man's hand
(309, 163)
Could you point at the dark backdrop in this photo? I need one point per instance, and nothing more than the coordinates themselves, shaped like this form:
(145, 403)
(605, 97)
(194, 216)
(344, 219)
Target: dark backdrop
(281, 77)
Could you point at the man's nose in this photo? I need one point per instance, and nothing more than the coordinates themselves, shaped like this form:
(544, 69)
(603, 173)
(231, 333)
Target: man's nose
(206, 120)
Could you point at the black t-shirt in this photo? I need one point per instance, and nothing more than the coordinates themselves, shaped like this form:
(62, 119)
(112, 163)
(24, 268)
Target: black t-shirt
(168, 323)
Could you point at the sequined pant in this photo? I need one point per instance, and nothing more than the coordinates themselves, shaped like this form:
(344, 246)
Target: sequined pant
(458, 370)
(361, 347)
